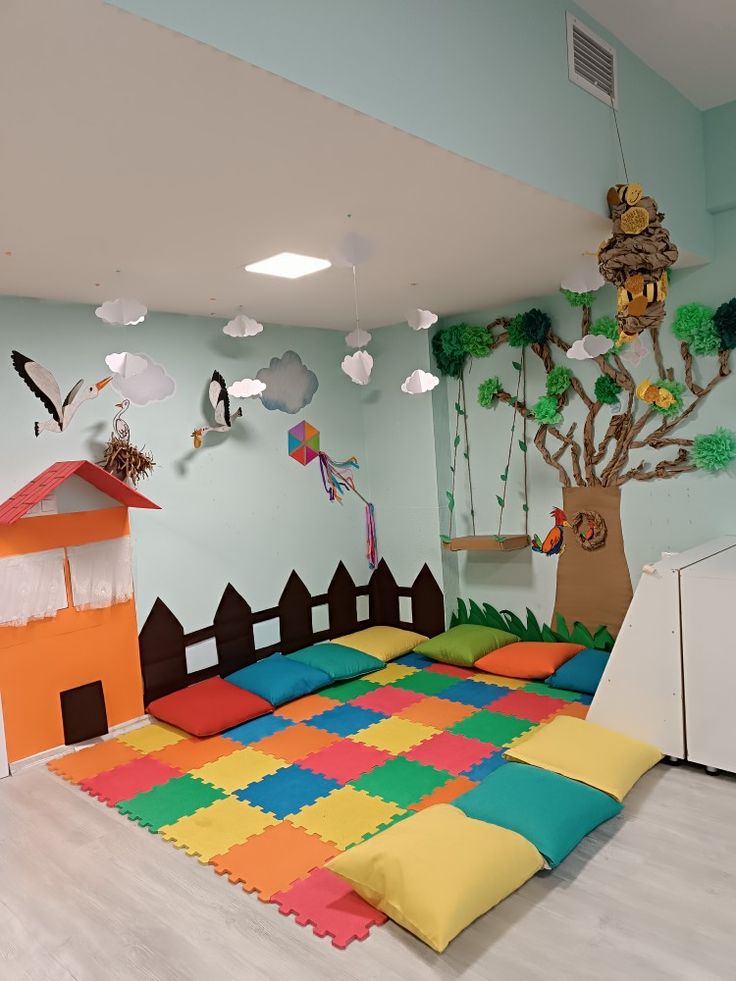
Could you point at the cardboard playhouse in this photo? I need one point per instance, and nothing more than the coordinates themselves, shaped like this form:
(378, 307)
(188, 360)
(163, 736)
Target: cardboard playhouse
(69, 665)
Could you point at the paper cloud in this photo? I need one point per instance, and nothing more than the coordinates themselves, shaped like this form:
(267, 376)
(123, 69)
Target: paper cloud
(358, 338)
(584, 277)
(122, 312)
(358, 367)
(126, 365)
(242, 326)
(290, 384)
(590, 346)
(633, 352)
(151, 384)
(419, 381)
(421, 319)
(246, 388)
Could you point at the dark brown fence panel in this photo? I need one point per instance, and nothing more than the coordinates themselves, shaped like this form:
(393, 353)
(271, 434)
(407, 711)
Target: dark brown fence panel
(427, 604)
(295, 615)
(163, 653)
(383, 597)
(234, 632)
(341, 603)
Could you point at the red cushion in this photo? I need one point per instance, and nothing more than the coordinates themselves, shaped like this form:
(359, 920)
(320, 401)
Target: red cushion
(209, 707)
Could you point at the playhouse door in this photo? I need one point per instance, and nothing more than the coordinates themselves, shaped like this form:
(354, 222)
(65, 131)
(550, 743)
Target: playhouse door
(83, 713)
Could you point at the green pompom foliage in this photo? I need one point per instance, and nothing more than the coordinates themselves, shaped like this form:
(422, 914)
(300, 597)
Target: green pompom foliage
(676, 388)
(605, 327)
(691, 319)
(558, 380)
(577, 299)
(516, 332)
(448, 347)
(714, 451)
(546, 412)
(477, 341)
(606, 390)
(536, 325)
(725, 320)
(487, 392)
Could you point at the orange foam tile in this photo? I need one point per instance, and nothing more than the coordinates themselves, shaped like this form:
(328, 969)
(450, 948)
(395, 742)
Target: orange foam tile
(296, 743)
(445, 794)
(438, 712)
(306, 708)
(574, 709)
(92, 760)
(191, 754)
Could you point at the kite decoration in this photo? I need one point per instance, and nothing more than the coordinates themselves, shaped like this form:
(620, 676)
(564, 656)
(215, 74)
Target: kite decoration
(220, 401)
(46, 388)
(337, 479)
(303, 443)
(122, 459)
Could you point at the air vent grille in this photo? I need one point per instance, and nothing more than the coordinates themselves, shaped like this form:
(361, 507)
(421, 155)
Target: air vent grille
(591, 61)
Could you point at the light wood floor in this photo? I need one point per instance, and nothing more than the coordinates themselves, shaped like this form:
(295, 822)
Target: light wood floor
(86, 895)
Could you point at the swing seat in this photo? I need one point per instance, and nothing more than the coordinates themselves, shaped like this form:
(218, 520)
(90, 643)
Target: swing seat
(486, 543)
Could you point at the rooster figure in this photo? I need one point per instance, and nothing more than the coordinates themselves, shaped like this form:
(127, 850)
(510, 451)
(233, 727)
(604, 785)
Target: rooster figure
(553, 543)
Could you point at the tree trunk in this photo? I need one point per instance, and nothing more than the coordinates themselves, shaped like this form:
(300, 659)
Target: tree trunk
(593, 585)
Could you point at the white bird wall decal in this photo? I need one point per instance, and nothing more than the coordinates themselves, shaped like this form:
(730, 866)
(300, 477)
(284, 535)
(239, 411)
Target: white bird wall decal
(220, 401)
(45, 387)
(119, 425)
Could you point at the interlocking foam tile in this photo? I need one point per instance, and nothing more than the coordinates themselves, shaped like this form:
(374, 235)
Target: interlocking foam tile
(214, 829)
(344, 720)
(450, 752)
(238, 769)
(394, 735)
(492, 727)
(481, 770)
(497, 679)
(296, 742)
(330, 906)
(190, 754)
(345, 691)
(392, 672)
(251, 732)
(345, 760)
(402, 781)
(586, 699)
(168, 802)
(445, 794)
(91, 760)
(273, 860)
(451, 670)
(305, 708)
(471, 694)
(438, 712)
(575, 709)
(346, 816)
(286, 791)
(528, 705)
(129, 779)
(152, 737)
(426, 682)
(387, 699)
(413, 660)
(539, 688)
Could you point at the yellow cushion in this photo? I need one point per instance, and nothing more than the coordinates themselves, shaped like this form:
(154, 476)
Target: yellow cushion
(586, 752)
(385, 643)
(436, 872)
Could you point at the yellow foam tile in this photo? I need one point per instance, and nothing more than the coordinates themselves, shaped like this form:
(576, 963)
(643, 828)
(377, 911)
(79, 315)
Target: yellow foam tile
(345, 816)
(391, 673)
(152, 737)
(212, 830)
(497, 679)
(237, 770)
(394, 735)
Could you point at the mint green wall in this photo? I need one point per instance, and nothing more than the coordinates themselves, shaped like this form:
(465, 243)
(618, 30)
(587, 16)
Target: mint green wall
(719, 127)
(484, 78)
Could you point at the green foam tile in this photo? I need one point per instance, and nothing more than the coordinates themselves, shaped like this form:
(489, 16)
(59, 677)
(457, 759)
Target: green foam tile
(539, 688)
(401, 781)
(170, 801)
(426, 682)
(345, 691)
(492, 727)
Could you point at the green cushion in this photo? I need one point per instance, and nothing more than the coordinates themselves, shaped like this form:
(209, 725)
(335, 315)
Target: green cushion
(464, 644)
(337, 661)
(551, 811)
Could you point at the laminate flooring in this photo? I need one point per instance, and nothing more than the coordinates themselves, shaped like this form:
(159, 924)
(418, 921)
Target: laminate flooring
(85, 895)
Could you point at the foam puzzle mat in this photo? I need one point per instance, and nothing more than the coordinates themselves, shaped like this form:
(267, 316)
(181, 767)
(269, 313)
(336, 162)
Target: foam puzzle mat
(268, 803)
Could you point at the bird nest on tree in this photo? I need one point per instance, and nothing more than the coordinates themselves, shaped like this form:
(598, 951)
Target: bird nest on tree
(125, 461)
(590, 528)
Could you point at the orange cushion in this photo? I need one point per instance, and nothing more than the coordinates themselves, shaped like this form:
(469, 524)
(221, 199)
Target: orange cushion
(527, 659)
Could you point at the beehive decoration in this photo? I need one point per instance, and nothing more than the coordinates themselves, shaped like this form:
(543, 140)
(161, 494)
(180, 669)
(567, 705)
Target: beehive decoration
(636, 258)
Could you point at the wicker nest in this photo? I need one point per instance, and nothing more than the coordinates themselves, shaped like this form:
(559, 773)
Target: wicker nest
(125, 461)
(590, 529)
(650, 252)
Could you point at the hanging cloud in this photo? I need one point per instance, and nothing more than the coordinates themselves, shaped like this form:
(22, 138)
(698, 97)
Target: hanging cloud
(584, 277)
(242, 326)
(246, 388)
(421, 319)
(125, 364)
(122, 312)
(150, 384)
(420, 381)
(290, 384)
(590, 346)
(358, 338)
(358, 367)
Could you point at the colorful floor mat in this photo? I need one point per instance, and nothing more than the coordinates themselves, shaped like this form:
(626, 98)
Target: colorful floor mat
(268, 803)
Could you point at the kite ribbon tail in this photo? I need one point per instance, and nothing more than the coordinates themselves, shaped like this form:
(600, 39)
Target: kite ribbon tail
(372, 541)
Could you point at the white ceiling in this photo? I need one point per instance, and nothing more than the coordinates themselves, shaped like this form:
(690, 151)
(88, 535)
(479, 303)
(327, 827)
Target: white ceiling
(691, 43)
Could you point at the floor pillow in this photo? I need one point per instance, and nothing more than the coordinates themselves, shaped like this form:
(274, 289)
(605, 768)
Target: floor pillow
(583, 751)
(208, 707)
(385, 643)
(581, 673)
(278, 679)
(337, 661)
(437, 871)
(465, 644)
(553, 812)
(527, 659)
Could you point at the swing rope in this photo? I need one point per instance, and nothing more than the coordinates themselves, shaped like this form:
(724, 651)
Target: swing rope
(520, 390)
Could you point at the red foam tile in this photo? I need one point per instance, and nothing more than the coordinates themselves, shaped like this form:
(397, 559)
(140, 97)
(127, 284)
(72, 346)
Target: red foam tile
(388, 700)
(451, 752)
(528, 705)
(345, 760)
(452, 670)
(125, 781)
(329, 905)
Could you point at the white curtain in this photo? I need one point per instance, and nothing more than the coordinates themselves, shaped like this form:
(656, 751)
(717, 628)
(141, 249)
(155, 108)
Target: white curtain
(32, 587)
(101, 573)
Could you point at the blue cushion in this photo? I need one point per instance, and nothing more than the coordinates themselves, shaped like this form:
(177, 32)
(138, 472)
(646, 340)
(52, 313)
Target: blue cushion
(581, 673)
(337, 661)
(279, 680)
(551, 811)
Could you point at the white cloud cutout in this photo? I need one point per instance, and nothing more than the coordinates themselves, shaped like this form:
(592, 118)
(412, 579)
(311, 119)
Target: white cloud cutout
(246, 388)
(421, 319)
(152, 384)
(358, 367)
(122, 312)
(358, 338)
(633, 352)
(242, 326)
(291, 385)
(419, 381)
(125, 364)
(590, 346)
(584, 277)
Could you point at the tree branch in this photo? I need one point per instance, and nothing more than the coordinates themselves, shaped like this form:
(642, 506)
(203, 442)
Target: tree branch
(664, 469)
(540, 441)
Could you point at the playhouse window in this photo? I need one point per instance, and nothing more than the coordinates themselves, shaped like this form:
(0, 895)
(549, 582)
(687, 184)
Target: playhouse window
(100, 573)
(32, 587)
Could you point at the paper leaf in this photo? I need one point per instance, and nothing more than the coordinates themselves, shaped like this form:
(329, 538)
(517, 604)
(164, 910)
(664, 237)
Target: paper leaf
(151, 384)
(500, 538)
(450, 500)
(504, 477)
(512, 400)
(584, 277)
(419, 381)
(522, 446)
(122, 312)
(242, 326)
(524, 507)
(500, 500)
(358, 338)
(445, 539)
(456, 441)
(421, 319)
(590, 346)
(459, 409)
(126, 364)
(358, 367)
(246, 388)
(517, 365)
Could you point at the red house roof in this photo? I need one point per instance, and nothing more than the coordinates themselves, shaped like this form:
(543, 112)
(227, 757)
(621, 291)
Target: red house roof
(46, 483)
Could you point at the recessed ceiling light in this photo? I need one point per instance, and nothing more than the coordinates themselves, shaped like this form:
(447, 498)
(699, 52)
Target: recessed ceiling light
(289, 265)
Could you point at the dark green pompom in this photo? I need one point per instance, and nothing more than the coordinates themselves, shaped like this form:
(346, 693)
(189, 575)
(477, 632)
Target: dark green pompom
(477, 341)
(487, 392)
(725, 320)
(607, 390)
(536, 325)
(448, 347)
(577, 299)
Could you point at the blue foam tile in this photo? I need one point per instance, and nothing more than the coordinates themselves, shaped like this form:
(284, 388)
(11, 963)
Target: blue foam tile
(413, 660)
(287, 790)
(482, 769)
(471, 693)
(345, 720)
(251, 732)
(584, 699)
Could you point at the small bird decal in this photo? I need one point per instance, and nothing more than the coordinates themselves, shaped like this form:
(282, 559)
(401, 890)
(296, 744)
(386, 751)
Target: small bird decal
(654, 394)
(220, 401)
(119, 426)
(552, 544)
(587, 535)
(45, 387)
